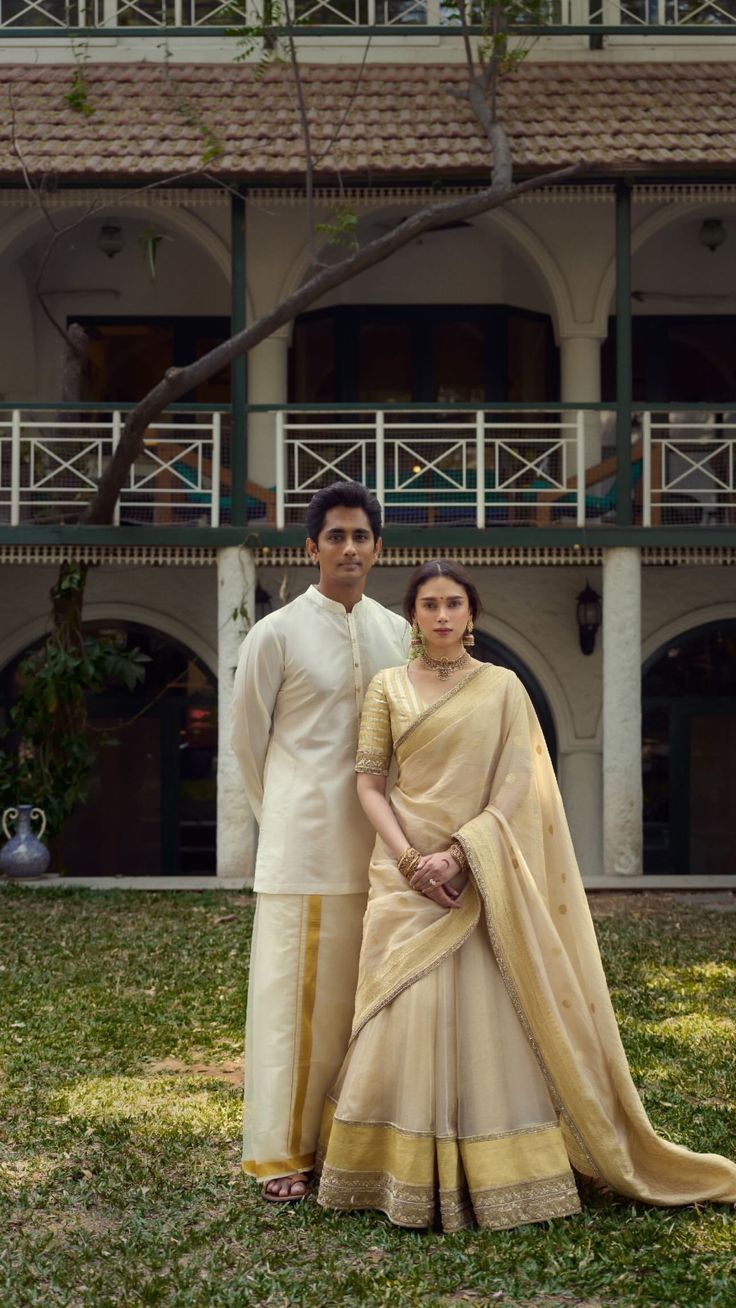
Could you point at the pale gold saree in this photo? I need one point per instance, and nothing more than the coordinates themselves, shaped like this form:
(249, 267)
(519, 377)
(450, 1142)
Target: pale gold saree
(485, 1056)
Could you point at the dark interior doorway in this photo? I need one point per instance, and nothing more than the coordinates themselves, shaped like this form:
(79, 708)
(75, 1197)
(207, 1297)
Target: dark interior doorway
(689, 753)
(151, 804)
(490, 650)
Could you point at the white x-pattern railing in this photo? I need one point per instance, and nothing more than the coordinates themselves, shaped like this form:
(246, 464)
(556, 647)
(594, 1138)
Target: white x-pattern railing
(469, 467)
(50, 466)
(172, 14)
(689, 468)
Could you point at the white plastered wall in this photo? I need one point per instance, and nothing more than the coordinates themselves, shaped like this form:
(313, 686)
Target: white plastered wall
(182, 602)
(191, 278)
(530, 610)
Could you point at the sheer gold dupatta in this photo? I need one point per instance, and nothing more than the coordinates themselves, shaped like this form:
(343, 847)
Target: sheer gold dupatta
(543, 938)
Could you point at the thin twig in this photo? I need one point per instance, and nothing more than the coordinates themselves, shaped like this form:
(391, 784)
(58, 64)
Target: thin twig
(304, 118)
(351, 101)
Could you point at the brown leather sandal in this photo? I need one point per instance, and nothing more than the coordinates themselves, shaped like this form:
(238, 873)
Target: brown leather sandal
(293, 1179)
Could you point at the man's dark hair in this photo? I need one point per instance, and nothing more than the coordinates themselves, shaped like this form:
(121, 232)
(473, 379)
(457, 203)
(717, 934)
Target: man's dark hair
(342, 495)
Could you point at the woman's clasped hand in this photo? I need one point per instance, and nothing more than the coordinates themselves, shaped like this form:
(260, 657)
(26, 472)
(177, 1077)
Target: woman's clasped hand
(432, 876)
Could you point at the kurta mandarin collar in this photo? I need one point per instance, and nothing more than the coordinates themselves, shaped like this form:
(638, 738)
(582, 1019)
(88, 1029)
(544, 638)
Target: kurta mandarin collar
(332, 606)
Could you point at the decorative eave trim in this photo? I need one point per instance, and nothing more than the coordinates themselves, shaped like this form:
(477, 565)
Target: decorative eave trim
(294, 556)
(684, 193)
(121, 556)
(373, 196)
(217, 197)
(154, 197)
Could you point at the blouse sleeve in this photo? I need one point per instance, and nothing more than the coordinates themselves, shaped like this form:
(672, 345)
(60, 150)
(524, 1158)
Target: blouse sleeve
(375, 745)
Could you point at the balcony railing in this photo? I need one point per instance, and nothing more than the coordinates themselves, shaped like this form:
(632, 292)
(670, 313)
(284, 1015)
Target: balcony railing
(51, 462)
(493, 467)
(389, 17)
(496, 466)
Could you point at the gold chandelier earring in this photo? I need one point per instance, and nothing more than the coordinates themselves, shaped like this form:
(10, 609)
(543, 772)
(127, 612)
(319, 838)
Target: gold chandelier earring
(416, 644)
(469, 638)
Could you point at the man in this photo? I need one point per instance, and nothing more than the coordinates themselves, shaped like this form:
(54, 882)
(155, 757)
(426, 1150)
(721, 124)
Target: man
(299, 687)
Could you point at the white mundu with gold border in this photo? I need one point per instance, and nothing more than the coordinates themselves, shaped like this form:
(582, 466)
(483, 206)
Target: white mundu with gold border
(298, 694)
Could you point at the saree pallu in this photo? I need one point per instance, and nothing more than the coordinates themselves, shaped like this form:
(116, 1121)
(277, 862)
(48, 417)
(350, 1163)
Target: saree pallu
(485, 1057)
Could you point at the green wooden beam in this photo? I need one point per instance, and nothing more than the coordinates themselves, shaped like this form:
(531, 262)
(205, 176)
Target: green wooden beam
(637, 30)
(238, 368)
(393, 537)
(624, 368)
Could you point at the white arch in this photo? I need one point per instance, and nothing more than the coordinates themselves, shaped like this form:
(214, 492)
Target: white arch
(531, 247)
(540, 669)
(22, 230)
(723, 612)
(667, 216)
(109, 611)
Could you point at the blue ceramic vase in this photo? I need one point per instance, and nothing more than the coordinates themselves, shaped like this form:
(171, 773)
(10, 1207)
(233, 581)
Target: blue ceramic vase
(24, 855)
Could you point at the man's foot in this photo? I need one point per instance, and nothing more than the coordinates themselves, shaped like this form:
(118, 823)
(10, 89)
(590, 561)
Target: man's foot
(286, 1189)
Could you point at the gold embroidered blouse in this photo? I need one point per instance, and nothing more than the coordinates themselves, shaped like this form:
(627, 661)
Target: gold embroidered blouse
(390, 706)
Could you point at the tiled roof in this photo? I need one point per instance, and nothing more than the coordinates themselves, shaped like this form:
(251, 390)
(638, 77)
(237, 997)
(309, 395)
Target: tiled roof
(155, 121)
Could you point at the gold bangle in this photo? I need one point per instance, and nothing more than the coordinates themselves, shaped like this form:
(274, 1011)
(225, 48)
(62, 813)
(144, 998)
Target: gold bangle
(407, 864)
(459, 855)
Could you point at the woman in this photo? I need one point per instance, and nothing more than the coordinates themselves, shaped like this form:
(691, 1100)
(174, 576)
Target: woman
(485, 1061)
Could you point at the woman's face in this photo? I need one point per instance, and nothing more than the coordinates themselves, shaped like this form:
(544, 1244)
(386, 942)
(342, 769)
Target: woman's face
(442, 611)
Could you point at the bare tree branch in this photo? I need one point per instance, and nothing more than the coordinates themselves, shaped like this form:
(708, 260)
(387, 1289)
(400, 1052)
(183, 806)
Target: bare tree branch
(307, 138)
(178, 381)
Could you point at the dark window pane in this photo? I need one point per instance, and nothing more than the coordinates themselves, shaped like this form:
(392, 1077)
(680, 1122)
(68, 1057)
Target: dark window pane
(384, 363)
(315, 373)
(458, 361)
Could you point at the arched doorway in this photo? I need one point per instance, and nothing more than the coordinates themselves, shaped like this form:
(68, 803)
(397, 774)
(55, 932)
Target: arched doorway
(689, 753)
(151, 805)
(490, 650)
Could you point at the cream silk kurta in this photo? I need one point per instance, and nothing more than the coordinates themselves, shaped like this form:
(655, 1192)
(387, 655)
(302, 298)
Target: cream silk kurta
(298, 694)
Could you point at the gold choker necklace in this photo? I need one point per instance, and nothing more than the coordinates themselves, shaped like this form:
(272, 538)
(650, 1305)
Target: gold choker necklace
(442, 666)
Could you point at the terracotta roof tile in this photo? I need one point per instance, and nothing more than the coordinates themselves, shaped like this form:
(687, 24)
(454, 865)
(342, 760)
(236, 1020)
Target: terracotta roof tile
(151, 121)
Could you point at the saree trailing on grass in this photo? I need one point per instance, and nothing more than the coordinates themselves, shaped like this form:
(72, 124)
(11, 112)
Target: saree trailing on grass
(486, 1061)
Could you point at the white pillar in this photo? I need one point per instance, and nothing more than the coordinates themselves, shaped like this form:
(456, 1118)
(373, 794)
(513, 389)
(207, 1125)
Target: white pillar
(580, 382)
(581, 782)
(267, 384)
(236, 826)
(622, 781)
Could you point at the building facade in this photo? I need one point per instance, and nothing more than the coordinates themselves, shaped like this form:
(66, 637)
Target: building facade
(546, 392)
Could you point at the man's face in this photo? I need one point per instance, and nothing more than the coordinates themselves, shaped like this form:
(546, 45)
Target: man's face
(345, 549)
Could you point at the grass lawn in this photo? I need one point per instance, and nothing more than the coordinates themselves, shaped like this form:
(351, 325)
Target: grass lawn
(121, 1032)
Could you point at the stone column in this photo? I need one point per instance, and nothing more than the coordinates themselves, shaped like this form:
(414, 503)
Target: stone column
(236, 826)
(580, 784)
(267, 384)
(622, 781)
(580, 381)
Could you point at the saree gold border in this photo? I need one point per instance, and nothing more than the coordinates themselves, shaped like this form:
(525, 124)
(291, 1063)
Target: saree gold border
(495, 911)
(537, 1154)
(440, 703)
(309, 990)
(499, 1182)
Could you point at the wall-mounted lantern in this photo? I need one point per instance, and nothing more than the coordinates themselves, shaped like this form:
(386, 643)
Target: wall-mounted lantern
(712, 234)
(110, 239)
(589, 616)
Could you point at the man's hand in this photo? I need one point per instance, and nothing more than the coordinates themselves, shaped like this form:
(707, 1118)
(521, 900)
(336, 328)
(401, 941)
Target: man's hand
(430, 878)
